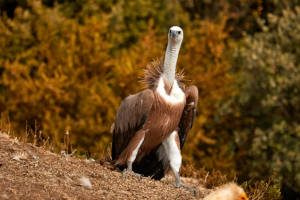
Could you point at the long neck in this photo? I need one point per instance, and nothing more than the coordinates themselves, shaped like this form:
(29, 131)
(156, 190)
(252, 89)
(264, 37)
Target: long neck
(170, 62)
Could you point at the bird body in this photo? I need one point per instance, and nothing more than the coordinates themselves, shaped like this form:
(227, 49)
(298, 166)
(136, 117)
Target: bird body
(151, 126)
(162, 120)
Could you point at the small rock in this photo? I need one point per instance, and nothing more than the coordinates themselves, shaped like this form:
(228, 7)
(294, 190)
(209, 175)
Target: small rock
(85, 182)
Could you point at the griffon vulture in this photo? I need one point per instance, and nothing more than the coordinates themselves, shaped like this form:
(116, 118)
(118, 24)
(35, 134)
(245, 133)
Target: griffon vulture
(151, 126)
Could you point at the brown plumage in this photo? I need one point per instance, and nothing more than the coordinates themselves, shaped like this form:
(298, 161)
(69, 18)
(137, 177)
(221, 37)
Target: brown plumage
(151, 126)
(229, 191)
(129, 126)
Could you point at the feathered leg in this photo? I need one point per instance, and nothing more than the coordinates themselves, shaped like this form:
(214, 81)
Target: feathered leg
(129, 154)
(172, 149)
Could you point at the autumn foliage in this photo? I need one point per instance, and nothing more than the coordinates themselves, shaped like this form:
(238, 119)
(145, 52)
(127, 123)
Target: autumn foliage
(67, 65)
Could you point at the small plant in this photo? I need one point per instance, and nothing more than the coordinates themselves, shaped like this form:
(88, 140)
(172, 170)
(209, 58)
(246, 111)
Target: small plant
(260, 190)
(66, 147)
(263, 190)
(215, 179)
(5, 128)
(34, 133)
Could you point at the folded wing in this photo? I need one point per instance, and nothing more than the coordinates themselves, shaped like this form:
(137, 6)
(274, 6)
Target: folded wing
(131, 116)
(188, 114)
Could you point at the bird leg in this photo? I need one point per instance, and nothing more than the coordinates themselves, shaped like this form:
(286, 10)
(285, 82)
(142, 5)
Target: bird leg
(178, 183)
(132, 150)
(172, 148)
(128, 171)
(129, 166)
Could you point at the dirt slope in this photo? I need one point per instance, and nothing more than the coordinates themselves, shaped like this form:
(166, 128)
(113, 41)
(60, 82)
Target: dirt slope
(29, 172)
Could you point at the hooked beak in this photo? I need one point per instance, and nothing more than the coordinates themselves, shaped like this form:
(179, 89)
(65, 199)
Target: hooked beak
(172, 34)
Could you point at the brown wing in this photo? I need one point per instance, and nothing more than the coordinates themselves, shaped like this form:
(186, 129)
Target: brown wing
(188, 114)
(130, 117)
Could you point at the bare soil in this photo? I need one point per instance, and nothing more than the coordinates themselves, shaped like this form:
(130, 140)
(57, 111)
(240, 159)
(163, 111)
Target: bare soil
(30, 172)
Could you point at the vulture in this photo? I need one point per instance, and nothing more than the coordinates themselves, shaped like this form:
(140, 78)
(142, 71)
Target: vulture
(151, 126)
(229, 191)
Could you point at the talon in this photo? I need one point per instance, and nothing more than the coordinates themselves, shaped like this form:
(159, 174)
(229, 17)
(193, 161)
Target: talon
(195, 193)
(186, 187)
(131, 173)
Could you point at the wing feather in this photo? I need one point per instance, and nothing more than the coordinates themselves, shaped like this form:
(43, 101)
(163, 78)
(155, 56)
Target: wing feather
(188, 114)
(131, 116)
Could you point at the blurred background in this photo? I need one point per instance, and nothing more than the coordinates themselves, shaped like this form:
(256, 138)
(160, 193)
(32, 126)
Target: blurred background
(66, 65)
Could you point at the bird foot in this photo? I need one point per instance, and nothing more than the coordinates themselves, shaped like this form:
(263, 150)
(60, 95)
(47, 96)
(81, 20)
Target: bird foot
(127, 173)
(180, 184)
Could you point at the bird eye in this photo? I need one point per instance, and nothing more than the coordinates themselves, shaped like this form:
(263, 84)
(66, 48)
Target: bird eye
(170, 31)
(179, 32)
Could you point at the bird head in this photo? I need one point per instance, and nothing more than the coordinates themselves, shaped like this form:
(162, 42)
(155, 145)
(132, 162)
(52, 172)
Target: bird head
(229, 191)
(243, 196)
(175, 35)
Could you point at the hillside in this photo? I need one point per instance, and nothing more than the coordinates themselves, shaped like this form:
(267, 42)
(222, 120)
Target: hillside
(30, 172)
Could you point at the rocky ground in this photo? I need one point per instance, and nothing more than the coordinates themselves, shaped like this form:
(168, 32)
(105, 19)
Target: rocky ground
(30, 172)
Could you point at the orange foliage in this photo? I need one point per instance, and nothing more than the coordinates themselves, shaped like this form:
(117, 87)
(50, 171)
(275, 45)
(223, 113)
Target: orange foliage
(73, 74)
(204, 57)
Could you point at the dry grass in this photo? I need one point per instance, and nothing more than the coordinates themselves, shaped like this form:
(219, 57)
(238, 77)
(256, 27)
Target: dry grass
(215, 179)
(259, 190)
(31, 172)
(263, 190)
